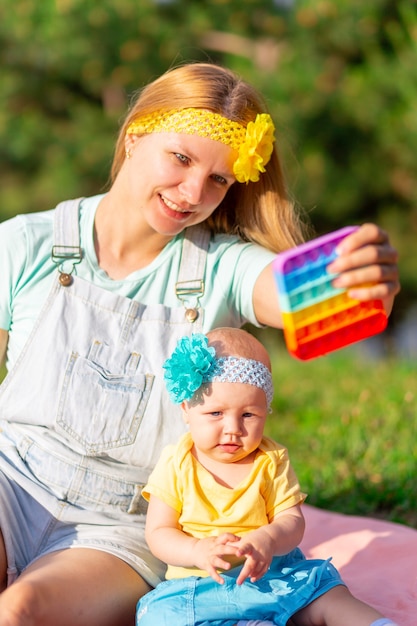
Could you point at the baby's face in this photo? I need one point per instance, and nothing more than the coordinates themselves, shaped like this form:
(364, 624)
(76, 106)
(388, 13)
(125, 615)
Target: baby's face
(227, 420)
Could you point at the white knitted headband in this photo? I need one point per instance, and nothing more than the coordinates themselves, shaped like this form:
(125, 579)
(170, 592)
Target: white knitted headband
(232, 369)
(194, 363)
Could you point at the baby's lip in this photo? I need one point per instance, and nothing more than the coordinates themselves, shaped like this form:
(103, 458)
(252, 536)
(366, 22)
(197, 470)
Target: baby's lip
(229, 447)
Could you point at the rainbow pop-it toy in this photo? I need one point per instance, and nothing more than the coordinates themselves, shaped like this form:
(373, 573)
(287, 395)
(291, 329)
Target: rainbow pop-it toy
(317, 318)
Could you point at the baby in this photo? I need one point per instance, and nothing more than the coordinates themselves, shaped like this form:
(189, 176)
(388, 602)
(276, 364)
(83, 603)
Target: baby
(225, 504)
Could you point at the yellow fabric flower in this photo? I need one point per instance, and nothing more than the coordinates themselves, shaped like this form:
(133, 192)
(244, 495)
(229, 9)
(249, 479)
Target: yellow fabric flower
(256, 150)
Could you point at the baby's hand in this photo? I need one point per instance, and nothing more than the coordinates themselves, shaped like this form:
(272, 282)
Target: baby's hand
(258, 557)
(213, 553)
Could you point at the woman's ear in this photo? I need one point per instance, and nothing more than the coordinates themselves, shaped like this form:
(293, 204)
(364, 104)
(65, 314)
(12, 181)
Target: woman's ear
(130, 143)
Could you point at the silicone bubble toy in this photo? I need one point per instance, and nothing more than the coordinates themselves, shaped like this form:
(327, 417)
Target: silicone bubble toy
(318, 318)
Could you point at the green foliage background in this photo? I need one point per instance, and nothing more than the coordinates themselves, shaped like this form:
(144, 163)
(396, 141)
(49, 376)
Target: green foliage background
(340, 79)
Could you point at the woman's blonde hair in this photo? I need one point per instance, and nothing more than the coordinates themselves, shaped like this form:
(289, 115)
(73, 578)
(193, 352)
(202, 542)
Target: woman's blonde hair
(260, 212)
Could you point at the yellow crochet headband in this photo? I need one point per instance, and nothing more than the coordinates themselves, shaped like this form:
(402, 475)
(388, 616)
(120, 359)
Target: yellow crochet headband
(253, 143)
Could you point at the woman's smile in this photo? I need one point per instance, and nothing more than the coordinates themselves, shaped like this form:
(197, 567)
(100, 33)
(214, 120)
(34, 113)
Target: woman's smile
(174, 209)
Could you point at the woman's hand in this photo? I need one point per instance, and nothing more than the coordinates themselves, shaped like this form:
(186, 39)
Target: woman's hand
(367, 264)
(368, 269)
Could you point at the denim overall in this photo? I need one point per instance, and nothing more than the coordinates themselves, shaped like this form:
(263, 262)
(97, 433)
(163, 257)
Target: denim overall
(84, 413)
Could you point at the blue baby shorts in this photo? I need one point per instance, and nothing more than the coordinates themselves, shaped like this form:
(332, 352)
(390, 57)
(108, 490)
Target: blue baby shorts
(291, 583)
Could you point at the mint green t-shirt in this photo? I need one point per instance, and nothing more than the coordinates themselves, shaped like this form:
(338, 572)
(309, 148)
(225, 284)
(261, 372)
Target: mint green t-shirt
(27, 273)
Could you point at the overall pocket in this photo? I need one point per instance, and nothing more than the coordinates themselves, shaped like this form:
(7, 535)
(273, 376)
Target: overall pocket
(99, 408)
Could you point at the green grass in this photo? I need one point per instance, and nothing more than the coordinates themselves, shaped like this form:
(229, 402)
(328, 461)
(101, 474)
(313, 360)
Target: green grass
(350, 425)
(351, 429)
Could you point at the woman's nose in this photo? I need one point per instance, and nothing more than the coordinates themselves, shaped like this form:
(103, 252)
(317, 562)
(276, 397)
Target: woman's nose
(192, 189)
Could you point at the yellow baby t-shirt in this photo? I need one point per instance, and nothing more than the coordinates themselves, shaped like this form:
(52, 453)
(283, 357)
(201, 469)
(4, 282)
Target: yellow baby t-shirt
(207, 508)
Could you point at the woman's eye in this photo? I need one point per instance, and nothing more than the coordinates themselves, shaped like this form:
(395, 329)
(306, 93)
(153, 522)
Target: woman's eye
(219, 179)
(181, 157)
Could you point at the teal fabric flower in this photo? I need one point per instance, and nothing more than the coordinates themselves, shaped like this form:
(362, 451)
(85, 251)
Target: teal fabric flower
(186, 368)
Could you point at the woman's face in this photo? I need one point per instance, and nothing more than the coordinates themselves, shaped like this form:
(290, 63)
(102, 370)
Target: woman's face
(176, 180)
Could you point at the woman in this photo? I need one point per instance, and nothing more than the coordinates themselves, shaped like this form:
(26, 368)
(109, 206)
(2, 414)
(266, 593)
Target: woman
(92, 300)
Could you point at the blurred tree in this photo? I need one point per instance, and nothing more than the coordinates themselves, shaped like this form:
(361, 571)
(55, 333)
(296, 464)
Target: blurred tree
(340, 79)
(69, 68)
(350, 80)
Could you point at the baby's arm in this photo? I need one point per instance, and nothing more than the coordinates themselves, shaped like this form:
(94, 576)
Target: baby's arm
(280, 536)
(171, 545)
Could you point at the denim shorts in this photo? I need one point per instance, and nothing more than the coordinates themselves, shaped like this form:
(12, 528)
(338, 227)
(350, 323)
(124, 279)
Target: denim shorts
(291, 583)
(30, 531)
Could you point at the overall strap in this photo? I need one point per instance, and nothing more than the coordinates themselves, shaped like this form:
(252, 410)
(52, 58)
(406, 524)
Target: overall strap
(66, 243)
(190, 284)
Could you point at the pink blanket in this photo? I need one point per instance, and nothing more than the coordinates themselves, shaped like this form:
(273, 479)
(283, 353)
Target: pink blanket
(376, 559)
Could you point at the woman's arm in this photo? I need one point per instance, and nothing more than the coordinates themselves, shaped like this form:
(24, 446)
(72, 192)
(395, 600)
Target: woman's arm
(366, 258)
(265, 299)
(174, 547)
(4, 336)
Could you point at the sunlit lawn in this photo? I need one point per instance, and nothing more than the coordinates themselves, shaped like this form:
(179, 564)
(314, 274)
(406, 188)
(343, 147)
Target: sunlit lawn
(350, 425)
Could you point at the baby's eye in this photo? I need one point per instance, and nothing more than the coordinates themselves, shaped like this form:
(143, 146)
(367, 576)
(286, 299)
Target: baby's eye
(247, 415)
(214, 415)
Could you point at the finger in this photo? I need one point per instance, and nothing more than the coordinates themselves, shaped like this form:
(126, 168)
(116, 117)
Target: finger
(254, 573)
(260, 571)
(383, 255)
(364, 235)
(248, 570)
(243, 575)
(227, 549)
(365, 283)
(215, 575)
(221, 563)
(382, 291)
(253, 579)
(366, 275)
(225, 538)
(245, 549)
